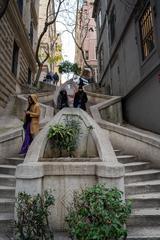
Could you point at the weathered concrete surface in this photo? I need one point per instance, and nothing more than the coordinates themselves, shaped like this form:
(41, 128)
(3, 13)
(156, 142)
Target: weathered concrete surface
(129, 139)
(11, 132)
(65, 177)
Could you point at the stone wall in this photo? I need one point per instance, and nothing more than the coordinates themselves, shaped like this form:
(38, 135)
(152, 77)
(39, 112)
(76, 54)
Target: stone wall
(7, 80)
(23, 74)
(12, 28)
(129, 139)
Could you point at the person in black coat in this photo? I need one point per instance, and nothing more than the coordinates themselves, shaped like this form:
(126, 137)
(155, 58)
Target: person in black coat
(80, 99)
(62, 100)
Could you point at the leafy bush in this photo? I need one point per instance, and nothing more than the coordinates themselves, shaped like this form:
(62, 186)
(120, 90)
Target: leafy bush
(32, 216)
(98, 213)
(67, 67)
(65, 136)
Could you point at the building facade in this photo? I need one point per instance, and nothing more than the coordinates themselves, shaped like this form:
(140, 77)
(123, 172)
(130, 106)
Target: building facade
(85, 22)
(49, 38)
(18, 38)
(128, 52)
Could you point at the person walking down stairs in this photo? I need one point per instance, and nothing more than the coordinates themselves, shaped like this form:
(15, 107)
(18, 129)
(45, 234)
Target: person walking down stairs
(80, 99)
(31, 123)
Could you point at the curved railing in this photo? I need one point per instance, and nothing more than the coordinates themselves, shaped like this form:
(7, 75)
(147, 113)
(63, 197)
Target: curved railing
(107, 112)
(13, 137)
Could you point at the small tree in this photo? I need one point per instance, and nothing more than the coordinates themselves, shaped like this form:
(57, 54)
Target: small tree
(76, 69)
(68, 67)
(65, 136)
(98, 213)
(32, 216)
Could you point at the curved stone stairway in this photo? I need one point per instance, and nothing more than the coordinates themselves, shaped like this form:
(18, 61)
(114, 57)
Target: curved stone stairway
(7, 195)
(142, 185)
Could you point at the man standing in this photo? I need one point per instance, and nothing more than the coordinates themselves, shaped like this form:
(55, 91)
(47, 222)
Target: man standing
(80, 99)
(56, 78)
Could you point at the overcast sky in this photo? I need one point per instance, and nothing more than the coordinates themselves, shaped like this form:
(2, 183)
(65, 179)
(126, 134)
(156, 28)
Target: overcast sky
(67, 17)
(68, 45)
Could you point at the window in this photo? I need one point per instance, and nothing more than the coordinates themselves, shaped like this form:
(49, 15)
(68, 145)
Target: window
(20, 5)
(31, 33)
(146, 32)
(112, 25)
(87, 54)
(15, 58)
(29, 76)
(101, 58)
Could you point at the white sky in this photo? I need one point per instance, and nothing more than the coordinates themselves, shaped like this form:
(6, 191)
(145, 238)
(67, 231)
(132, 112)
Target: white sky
(68, 45)
(66, 19)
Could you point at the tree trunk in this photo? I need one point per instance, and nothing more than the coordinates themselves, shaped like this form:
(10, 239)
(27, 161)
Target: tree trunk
(38, 74)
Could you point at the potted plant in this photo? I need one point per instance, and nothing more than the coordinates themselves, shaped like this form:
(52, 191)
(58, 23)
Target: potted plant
(32, 216)
(64, 136)
(98, 213)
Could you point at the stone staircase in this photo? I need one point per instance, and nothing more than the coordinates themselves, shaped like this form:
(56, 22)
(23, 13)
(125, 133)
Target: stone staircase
(7, 195)
(142, 186)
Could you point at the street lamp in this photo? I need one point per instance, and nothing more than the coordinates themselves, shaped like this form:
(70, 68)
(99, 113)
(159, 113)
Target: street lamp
(3, 7)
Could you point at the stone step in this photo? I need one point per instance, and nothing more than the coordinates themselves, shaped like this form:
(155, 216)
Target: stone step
(68, 159)
(6, 223)
(136, 166)
(7, 205)
(6, 236)
(144, 217)
(146, 200)
(126, 158)
(144, 233)
(7, 192)
(117, 152)
(144, 175)
(7, 180)
(7, 169)
(13, 161)
(61, 236)
(151, 186)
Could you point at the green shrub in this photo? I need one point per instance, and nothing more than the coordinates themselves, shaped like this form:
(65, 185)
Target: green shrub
(98, 213)
(65, 136)
(32, 216)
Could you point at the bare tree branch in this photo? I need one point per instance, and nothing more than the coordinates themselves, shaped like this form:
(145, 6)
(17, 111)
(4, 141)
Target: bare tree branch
(47, 10)
(46, 25)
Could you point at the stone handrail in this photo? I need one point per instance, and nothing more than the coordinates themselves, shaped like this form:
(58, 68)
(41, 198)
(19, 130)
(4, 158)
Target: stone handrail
(108, 107)
(143, 144)
(106, 152)
(13, 138)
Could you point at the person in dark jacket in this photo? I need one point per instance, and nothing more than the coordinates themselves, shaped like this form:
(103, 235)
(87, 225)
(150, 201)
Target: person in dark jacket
(62, 100)
(81, 84)
(80, 99)
(56, 78)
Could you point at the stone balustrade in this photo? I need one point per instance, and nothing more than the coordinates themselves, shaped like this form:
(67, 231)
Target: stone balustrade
(12, 138)
(107, 113)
